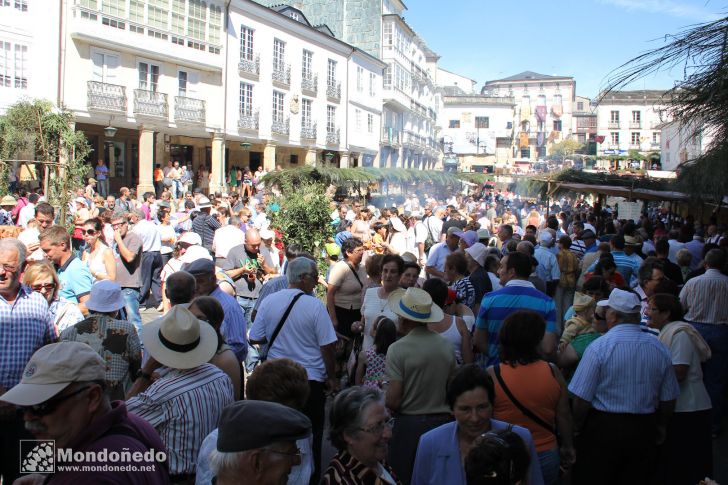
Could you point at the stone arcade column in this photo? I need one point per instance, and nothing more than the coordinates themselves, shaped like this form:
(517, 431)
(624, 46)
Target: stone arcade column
(344, 159)
(311, 157)
(146, 160)
(217, 183)
(269, 156)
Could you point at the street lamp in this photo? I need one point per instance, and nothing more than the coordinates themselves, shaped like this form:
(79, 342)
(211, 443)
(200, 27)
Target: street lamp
(110, 131)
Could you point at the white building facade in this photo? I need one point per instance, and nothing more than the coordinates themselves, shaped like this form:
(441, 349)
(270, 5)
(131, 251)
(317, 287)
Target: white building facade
(680, 143)
(214, 85)
(478, 130)
(543, 114)
(630, 120)
(28, 51)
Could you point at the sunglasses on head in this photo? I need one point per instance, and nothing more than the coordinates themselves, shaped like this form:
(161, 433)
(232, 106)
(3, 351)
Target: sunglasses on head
(48, 407)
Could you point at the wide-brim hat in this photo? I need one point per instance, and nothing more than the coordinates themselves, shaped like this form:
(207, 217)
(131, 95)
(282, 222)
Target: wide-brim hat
(416, 305)
(105, 297)
(397, 224)
(179, 340)
(8, 200)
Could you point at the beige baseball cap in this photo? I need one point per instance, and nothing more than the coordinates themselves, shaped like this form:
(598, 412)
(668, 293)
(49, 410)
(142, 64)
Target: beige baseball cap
(52, 368)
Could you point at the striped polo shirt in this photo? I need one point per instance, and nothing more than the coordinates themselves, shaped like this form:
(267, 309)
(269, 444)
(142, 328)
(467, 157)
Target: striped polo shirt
(516, 295)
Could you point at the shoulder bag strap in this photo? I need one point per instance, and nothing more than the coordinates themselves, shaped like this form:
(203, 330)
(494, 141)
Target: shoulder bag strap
(527, 412)
(283, 320)
(355, 275)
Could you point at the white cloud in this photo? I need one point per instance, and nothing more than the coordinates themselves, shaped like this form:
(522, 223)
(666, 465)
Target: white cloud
(692, 12)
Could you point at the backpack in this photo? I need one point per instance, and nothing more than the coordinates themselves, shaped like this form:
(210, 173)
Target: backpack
(429, 241)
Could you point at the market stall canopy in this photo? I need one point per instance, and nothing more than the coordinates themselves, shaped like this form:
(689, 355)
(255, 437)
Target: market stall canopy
(626, 192)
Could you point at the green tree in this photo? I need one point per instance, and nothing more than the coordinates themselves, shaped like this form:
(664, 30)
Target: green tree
(36, 126)
(564, 149)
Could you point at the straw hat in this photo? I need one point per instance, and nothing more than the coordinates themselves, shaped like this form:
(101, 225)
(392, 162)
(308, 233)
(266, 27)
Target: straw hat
(179, 340)
(415, 305)
(7, 201)
(582, 301)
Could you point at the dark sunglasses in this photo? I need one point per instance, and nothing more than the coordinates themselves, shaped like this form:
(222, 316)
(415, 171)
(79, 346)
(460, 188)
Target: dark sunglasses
(89, 232)
(44, 286)
(48, 407)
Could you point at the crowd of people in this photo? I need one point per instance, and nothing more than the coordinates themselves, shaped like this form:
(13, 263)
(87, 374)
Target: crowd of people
(481, 339)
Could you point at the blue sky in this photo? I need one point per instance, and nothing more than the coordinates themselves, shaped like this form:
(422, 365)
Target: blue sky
(586, 39)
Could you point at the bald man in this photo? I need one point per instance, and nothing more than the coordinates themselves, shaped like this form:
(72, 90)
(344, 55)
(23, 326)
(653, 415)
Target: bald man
(246, 266)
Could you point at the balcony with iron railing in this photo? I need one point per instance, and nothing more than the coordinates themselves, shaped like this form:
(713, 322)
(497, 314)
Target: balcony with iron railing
(249, 67)
(308, 131)
(333, 91)
(332, 136)
(635, 146)
(390, 136)
(613, 125)
(309, 84)
(281, 126)
(282, 75)
(635, 125)
(150, 103)
(190, 110)
(106, 97)
(248, 121)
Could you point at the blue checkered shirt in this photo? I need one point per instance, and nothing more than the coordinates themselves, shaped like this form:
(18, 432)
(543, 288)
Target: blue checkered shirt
(25, 326)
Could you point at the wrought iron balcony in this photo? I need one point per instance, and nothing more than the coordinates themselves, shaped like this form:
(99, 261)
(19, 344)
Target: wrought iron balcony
(332, 137)
(390, 136)
(282, 74)
(333, 91)
(248, 121)
(190, 110)
(250, 67)
(308, 131)
(613, 125)
(150, 103)
(310, 84)
(281, 127)
(106, 97)
(635, 125)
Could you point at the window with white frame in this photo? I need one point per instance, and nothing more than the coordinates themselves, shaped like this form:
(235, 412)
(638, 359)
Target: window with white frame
(655, 137)
(178, 16)
(357, 120)
(246, 99)
(387, 79)
(105, 67)
(91, 4)
(370, 123)
(197, 14)
(614, 135)
(388, 36)
(614, 117)
(148, 76)
(246, 43)
(182, 83)
(136, 11)
(21, 5)
(6, 64)
(635, 138)
(359, 79)
(330, 119)
(372, 84)
(157, 14)
(116, 8)
(278, 101)
(331, 73)
(21, 66)
(306, 105)
(213, 33)
(307, 64)
(636, 116)
(279, 55)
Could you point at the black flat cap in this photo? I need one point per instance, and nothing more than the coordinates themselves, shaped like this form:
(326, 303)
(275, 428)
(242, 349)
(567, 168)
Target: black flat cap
(248, 425)
(199, 267)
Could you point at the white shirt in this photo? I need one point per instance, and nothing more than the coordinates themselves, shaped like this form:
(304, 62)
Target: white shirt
(149, 232)
(484, 223)
(26, 213)
(307, 329)
(167, 232)
(226, 238)
(272, 260)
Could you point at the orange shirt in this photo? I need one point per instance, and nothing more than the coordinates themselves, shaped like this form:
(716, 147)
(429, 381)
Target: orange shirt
(537, 389)
(158, 175)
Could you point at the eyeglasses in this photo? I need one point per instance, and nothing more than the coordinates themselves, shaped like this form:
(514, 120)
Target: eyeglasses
(378, 428)
(89, 232)
(117, 224)
(48, 407)
(295, 457)
(43, 286)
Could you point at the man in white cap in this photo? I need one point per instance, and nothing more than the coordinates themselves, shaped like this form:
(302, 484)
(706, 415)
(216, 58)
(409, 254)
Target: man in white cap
(115, 340)
(548, 266)
(185, 403)
(624, 394)
(61, 395)
(205, 224)
(418, 368)
(269, 251)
